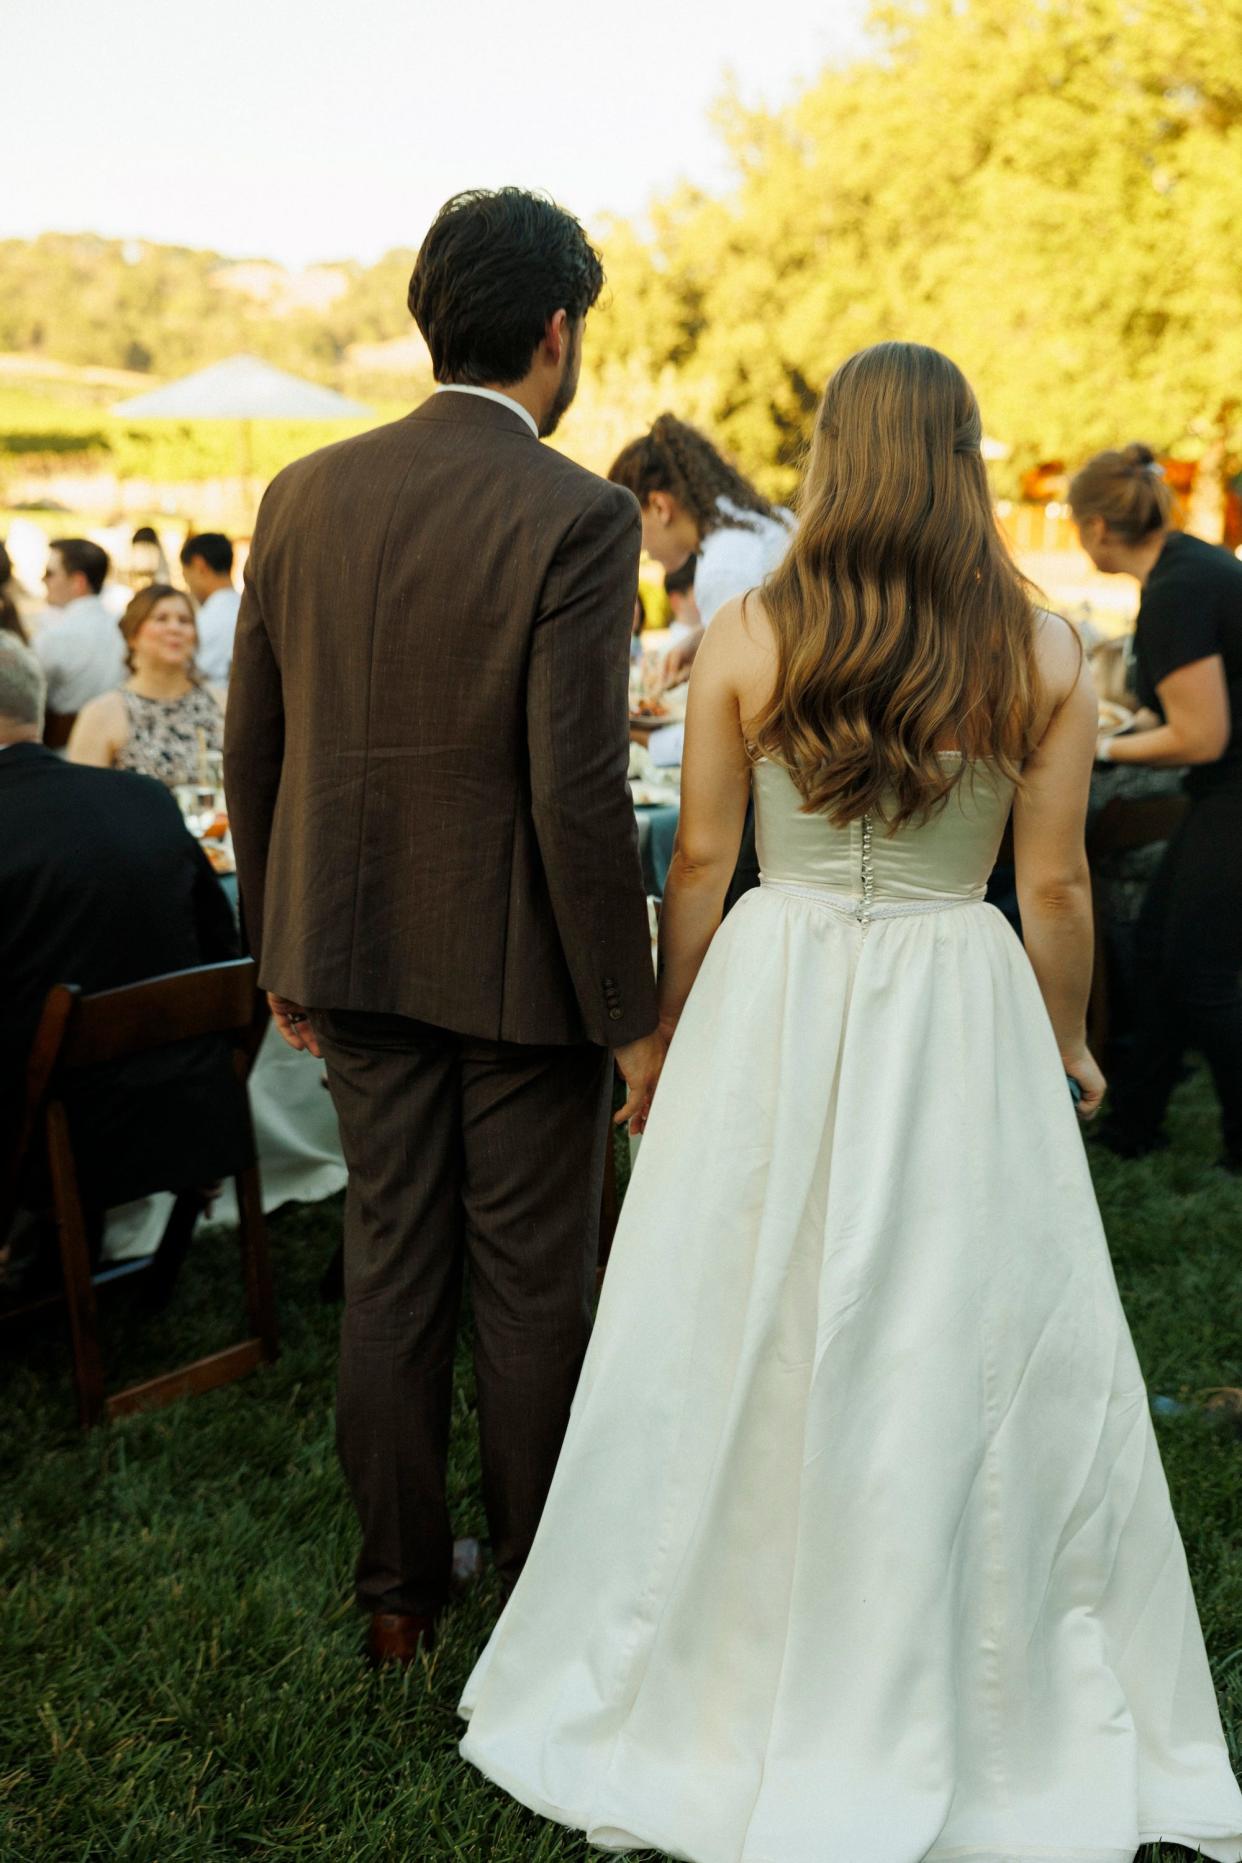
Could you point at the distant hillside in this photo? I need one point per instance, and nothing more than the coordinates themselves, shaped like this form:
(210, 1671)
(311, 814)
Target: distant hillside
(162, 310)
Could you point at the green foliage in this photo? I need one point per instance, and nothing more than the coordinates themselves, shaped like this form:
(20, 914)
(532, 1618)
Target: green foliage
(119, 304)
(180, 1655)
(53, 427)
(1049, 190)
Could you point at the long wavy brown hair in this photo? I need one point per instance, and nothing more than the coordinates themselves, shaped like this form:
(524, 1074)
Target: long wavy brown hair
(903, 626)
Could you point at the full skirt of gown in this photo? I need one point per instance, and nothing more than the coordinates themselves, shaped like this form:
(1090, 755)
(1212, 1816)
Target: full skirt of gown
(860, 1549)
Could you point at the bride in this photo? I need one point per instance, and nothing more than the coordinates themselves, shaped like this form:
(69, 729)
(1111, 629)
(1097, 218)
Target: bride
(859, 1549)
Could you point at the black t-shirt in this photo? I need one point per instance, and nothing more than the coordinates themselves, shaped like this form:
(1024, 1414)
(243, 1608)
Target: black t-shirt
(1192, 609)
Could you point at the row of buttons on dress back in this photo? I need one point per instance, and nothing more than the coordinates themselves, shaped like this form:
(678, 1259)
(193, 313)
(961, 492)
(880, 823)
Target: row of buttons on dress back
(868, 876)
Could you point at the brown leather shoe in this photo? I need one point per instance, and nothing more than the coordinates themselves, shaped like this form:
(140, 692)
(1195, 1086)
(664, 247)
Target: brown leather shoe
(395, 1637)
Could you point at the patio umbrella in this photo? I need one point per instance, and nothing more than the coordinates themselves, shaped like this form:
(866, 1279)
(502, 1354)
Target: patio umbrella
(243, 389)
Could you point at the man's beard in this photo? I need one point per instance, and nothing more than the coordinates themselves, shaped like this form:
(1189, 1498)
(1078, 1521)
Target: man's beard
(566, 391)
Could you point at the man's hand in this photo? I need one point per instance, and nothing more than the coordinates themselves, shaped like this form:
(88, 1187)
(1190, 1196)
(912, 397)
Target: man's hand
(293, 1024)
(640, 1063)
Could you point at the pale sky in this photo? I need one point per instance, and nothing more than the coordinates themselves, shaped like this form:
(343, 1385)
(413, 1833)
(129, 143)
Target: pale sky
(300, 130)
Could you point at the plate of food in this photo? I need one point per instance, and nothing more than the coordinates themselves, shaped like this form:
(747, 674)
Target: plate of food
(1114, 718)
(653, 795)
(647, 713)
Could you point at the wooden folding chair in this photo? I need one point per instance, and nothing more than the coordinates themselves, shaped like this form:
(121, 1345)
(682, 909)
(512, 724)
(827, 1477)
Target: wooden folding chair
(1122, 825)
(77, 1032)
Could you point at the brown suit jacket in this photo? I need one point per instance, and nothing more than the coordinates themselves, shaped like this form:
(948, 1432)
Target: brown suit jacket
(426, 745)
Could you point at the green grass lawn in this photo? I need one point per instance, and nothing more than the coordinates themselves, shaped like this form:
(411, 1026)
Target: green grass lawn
(179, 1653)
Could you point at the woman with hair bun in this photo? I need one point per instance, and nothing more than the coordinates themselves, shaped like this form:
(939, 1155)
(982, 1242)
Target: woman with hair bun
(1188, 665)
(694, 501)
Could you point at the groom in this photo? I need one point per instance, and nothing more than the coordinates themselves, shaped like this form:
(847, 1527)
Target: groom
(426, 765)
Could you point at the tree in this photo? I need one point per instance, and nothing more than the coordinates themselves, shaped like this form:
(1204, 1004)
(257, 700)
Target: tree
(1047, 189)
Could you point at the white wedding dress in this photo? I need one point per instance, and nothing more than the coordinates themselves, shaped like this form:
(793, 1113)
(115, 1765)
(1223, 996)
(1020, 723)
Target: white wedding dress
(860, 1549)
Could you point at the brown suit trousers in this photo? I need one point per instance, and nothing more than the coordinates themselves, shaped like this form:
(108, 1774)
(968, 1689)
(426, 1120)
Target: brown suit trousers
(460, 1151)
(425, 756)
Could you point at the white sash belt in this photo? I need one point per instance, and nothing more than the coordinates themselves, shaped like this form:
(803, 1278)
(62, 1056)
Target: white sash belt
(863, 910)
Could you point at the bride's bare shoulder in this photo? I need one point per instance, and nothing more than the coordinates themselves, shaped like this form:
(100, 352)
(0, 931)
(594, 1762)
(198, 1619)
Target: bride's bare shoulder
(742, 631)
(1058, 656)
(739, 654)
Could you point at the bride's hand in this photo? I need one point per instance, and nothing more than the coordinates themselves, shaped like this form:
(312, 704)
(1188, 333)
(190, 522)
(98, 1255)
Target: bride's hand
(1081, 1066)
(639, 1063)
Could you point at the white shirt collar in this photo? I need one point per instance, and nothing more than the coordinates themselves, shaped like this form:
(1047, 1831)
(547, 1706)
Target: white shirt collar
(489, 394)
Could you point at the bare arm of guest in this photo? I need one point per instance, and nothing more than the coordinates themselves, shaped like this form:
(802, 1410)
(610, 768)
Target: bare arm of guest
(1054, 884)
(100, 732)
(715, 785)
(1195, 701)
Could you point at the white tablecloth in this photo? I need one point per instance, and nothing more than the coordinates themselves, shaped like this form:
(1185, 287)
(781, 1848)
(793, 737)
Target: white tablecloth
(298, 1144)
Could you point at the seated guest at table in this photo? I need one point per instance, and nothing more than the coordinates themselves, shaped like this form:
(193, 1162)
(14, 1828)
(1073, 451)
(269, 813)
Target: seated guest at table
(694, 501)
(207, 565)
(10, 619)
(1188, 671)
(163, 720)
(100, 885)
(79, 648)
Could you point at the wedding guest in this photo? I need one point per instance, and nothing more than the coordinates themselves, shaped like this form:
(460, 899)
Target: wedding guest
(1188, 673)
(207, 565)
(163, 720)
(463, 934)
(100, 885)
(147, 561)
(679, 588)
(26, 547)
(80, 650)
(10, 619)
(694, 502)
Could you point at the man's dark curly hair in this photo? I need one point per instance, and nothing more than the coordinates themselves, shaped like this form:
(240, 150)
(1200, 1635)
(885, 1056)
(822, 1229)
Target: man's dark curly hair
(496, 265)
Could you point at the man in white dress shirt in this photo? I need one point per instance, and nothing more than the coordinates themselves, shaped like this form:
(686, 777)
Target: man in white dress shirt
(207, 565)
(80, 647)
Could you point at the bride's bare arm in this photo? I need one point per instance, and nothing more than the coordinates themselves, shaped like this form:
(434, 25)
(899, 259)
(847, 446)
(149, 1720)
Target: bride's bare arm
(1054, 886)
(715, 784)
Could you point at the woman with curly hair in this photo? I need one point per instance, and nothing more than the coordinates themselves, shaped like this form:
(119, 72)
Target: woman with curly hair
(694, 501)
